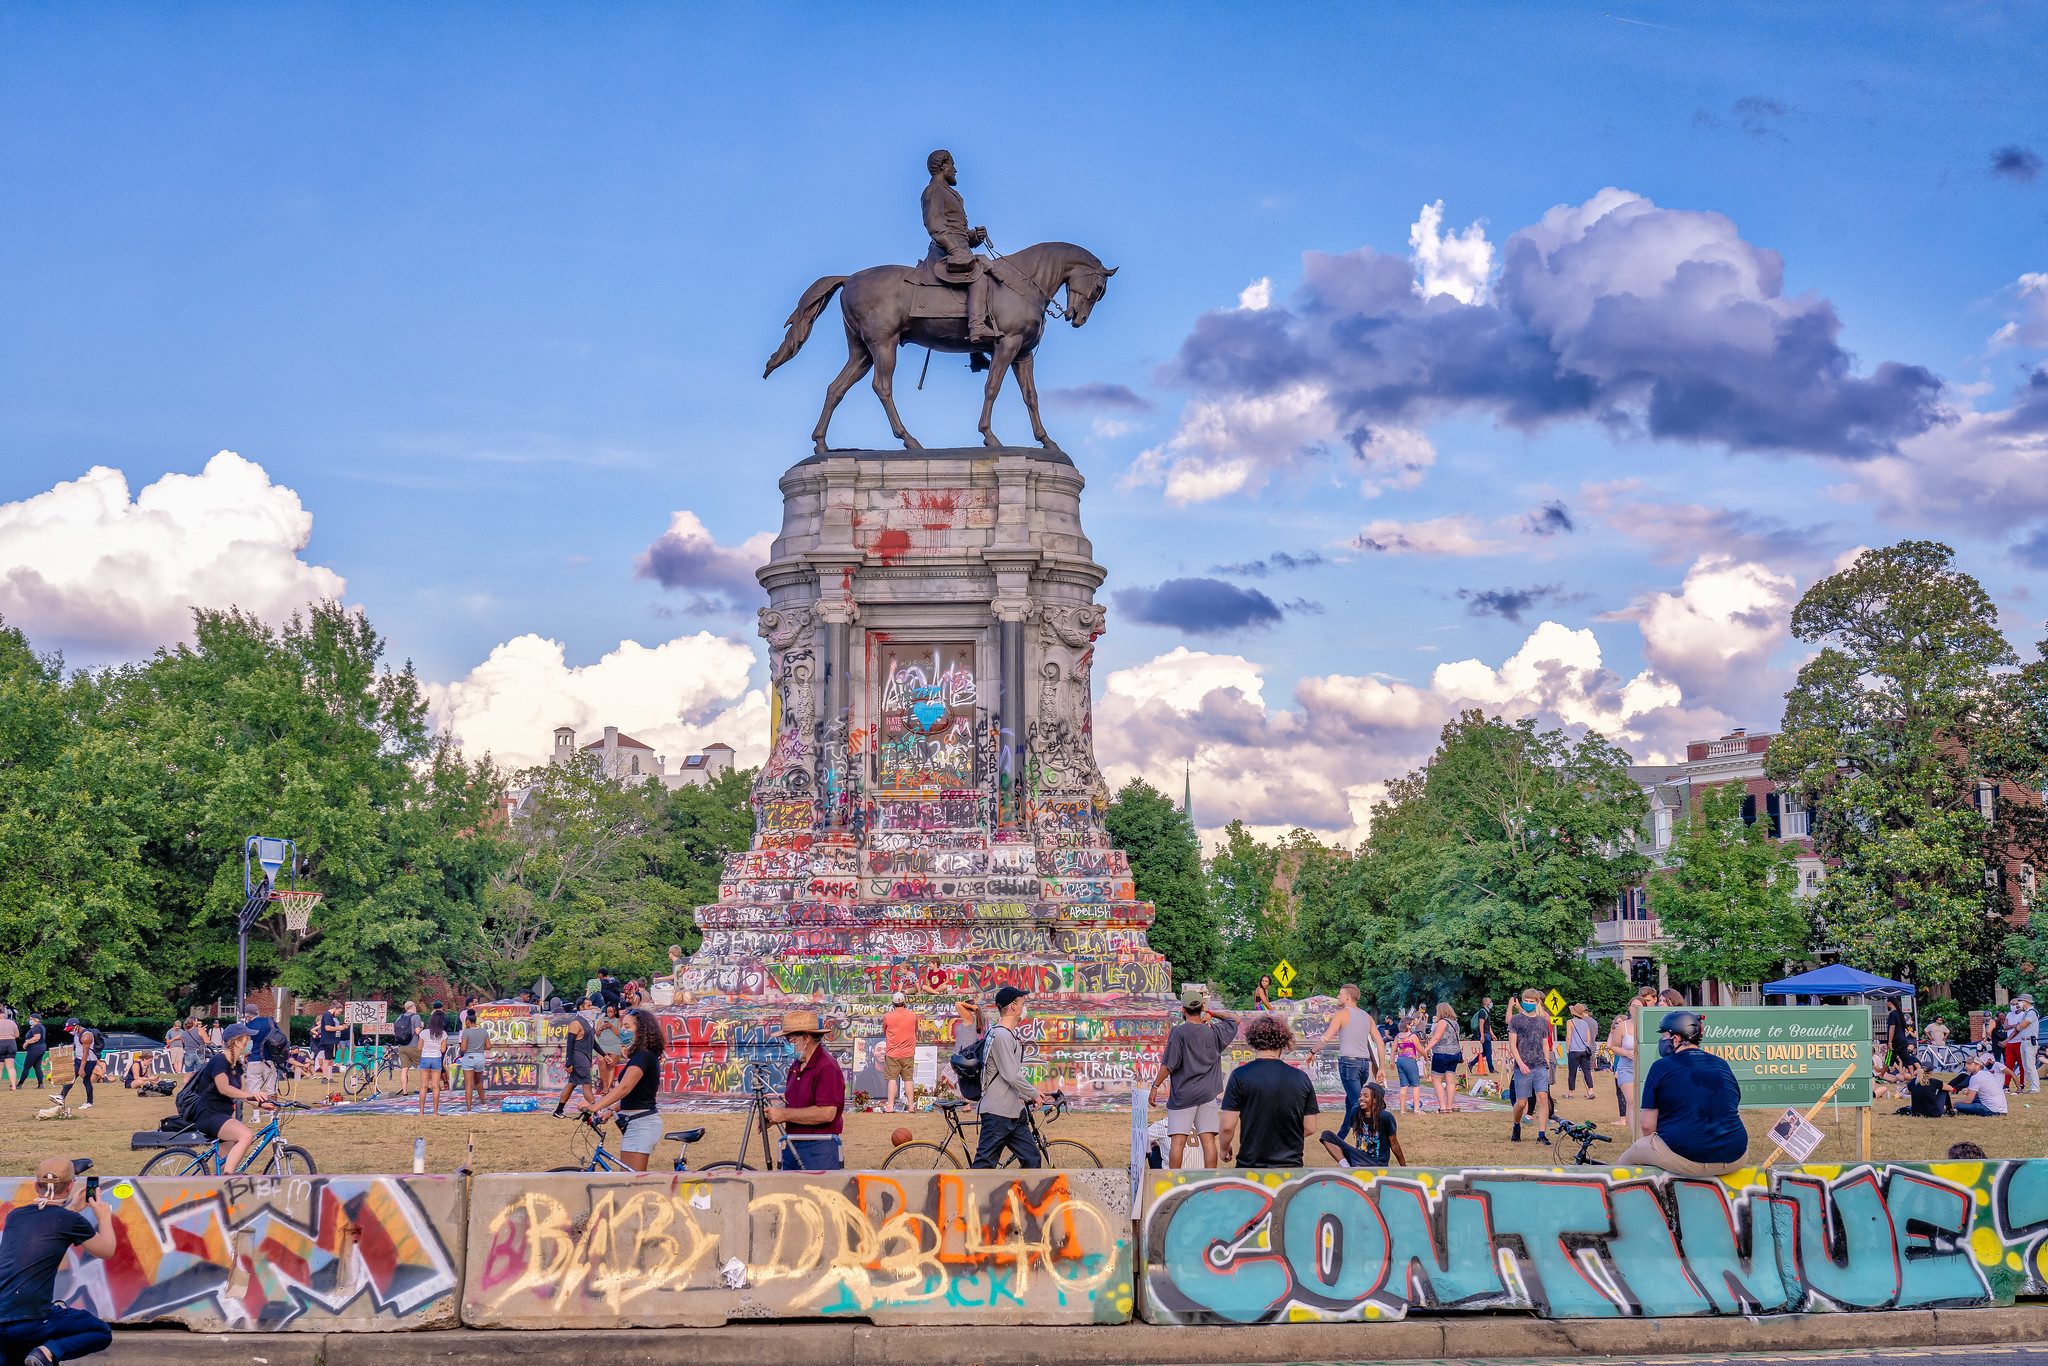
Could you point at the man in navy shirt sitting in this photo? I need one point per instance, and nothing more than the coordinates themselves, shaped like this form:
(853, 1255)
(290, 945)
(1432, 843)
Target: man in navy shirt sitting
(1691, 1115)
(34, 1328)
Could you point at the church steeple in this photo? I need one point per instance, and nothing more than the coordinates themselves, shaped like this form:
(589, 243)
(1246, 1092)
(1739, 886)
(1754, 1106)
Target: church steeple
(1187, 794)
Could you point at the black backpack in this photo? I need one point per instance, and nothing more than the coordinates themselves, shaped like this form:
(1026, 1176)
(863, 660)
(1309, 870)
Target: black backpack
(966, 1065)
(402, 1029)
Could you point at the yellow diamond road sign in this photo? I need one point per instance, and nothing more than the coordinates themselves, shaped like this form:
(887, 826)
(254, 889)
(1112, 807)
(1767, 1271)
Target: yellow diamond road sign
(1283, 973)
(1555, 1004)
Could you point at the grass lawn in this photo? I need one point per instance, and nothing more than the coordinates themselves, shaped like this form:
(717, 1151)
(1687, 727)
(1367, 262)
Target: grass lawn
(535, 1142)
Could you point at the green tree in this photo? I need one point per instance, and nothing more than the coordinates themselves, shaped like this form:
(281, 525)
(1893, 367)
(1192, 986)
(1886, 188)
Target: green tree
(695, 829)
(1166, 866)
(300, 733)
(1727, 897)
(1884, 734)
(1483, 868)
(1252, 913)
(79, 927)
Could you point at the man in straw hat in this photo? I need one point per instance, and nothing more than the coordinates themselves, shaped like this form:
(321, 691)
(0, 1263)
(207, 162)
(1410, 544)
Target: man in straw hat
(814, 1114)
(34, 1328)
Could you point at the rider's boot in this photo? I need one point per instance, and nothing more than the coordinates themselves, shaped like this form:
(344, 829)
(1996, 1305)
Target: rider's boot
(979, 323)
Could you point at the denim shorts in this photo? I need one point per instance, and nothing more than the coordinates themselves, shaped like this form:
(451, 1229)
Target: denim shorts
(642, 1133)
(1440, 1063)
(1409, 1070)
(1530, 1084)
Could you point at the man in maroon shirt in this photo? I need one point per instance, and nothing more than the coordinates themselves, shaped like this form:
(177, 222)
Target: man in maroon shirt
(814, 1115)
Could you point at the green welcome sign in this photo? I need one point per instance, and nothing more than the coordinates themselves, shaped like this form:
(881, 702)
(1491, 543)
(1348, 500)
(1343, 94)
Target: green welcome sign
(1781, 1055)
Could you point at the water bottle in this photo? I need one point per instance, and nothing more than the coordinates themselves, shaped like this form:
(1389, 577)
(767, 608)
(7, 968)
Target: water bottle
(419, 1157)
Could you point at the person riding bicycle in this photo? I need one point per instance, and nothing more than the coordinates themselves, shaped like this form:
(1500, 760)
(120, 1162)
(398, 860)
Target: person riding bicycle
(632, 1099)
(208, 1101)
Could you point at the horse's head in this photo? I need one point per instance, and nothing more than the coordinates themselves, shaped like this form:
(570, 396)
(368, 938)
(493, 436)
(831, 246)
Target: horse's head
(1086, 282)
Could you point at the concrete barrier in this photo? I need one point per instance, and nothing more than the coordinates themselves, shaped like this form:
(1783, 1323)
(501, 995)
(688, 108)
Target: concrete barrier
(1590, 1242)
(255, 1254)
(683, 1249)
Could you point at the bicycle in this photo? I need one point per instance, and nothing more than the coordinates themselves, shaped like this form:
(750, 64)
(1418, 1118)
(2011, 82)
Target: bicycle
(1058, 1153)
(377, 1077)
(757, 1122)
(287, 1160)
(603, 1159)
(1585, 1135)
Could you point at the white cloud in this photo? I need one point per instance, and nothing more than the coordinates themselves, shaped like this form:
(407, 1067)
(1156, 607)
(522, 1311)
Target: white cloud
(1458, 265)
(677, 697)
(1713, 638)
(1258, 294)
(1236, 445)
(1453, 535)
(84, 568)
(1322, 762)
(1985, 473)
(687, 556)
(1392, 458)
(2029, 323)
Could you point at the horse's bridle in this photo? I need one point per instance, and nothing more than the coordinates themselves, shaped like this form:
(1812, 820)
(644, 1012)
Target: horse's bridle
(1051, 302)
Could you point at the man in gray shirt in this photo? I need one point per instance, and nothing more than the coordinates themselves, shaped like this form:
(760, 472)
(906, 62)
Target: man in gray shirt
(1193, 1064)
(1004, 1089)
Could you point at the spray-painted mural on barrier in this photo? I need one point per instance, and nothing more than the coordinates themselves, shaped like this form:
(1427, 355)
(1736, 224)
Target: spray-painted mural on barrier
(892, 1247)
(1346, 1245)
(314, 1253)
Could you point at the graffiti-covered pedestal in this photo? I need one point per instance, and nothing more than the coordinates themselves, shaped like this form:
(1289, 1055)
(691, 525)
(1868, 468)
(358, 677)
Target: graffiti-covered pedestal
(930, 818)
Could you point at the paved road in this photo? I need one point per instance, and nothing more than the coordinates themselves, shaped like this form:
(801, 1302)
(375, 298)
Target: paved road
(2027, 1354)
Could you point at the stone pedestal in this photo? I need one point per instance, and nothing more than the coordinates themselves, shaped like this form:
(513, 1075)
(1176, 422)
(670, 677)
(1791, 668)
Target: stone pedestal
(930, 816)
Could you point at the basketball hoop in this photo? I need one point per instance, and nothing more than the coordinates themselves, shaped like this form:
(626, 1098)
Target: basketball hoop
(298, 909)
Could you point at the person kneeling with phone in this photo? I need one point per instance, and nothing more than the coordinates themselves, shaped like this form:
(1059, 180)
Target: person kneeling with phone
(34, 1328)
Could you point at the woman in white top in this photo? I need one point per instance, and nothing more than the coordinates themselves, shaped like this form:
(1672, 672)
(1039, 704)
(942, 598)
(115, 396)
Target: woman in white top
(433, 1046)
(1621, 1041)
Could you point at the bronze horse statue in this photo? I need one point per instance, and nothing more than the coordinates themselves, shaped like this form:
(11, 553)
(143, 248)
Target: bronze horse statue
(881, 314)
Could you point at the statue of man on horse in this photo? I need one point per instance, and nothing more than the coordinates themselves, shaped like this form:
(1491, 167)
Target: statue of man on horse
(949, 302)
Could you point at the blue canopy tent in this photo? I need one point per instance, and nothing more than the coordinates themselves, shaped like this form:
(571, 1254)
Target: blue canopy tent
(1837, 980)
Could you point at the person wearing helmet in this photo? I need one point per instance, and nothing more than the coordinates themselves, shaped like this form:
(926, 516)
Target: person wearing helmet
(1691, 1119)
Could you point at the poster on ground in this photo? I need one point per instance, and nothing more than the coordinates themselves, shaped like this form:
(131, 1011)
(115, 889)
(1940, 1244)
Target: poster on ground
(1781, 1055)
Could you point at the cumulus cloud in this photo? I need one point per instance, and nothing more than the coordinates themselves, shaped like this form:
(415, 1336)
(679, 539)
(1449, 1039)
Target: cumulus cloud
(1321, 762)
(86, 569)
(1549, 519)
(1279, 559)
(2014, 162)
(2027, 324)
(1651, 322)
(678, 697)
(1099, 395)
(1984, 474)
(1198, 606)
(1459, 265)
(1510, 603)
(1713, 637)
(1452, 535)
(721, 577)
(1674, 532)
(1257, 294)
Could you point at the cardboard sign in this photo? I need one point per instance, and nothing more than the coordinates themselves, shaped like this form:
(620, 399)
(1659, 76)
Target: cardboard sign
(1797, 1137)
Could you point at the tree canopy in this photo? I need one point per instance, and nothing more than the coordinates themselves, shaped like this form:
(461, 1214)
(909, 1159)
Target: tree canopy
(1726, 896)
(1166, 867)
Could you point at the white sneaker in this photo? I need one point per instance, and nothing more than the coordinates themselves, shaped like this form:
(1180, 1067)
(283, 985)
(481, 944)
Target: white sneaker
(86, 1106)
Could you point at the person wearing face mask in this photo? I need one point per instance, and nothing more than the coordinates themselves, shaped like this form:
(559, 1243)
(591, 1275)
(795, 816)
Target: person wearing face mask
(1004, 1089)
(1532, 1041)
(1691, 1121)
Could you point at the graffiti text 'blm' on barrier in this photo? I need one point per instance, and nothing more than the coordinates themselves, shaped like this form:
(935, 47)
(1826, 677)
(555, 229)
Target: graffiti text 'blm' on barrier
(1265, 1247)
(966, 1247)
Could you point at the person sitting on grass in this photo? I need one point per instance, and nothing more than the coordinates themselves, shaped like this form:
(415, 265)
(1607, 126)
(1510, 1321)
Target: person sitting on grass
(1376, 1127)
(1985, 1090)
(1930, 1097)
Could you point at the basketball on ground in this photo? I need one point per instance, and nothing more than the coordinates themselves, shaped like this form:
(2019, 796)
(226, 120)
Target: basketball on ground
(900, 1137)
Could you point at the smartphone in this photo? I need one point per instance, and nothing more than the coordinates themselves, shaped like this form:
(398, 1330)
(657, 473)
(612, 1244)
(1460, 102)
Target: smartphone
(92, 1189)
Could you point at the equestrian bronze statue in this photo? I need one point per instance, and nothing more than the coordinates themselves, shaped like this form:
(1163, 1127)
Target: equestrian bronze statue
(993, 307)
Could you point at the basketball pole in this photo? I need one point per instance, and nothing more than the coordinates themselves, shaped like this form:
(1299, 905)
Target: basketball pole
(269, 855)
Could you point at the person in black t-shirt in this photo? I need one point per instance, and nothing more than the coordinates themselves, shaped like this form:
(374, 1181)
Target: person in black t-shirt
(208, 1100)
(1270, 1103)
(1376, 1127)
(34, 1328)
(632, 1096)
(1930, 1098)
(579, 1043)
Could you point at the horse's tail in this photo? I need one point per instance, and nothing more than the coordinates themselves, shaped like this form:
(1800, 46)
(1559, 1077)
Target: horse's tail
(807, 310)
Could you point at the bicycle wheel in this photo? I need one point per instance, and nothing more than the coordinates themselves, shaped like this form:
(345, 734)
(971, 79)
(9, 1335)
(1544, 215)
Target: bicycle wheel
(568, 1169)
(726, 1167)
(289, 1160)
(356, 1080)
(175, 1162)
(1067, 1155)
(921, 1157)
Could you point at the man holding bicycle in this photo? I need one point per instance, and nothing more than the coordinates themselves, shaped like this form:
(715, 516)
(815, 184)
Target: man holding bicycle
(1004, 1089)
(814, 1112)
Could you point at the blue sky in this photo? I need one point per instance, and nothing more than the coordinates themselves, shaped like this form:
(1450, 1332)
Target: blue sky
(488, 288)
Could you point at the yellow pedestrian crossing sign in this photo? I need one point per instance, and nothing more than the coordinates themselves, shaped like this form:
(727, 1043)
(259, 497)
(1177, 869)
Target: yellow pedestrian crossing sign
(1555, 1004)
(1284, 974)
